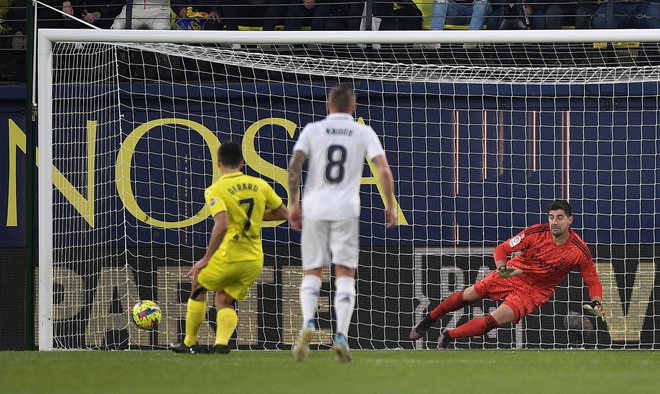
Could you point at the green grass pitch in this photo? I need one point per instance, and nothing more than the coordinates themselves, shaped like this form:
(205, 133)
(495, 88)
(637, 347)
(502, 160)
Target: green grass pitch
(395, 371)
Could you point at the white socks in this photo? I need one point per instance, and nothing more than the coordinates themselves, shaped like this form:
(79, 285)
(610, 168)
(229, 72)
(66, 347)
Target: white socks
(344, 303)
(309, 296)
(344, 300)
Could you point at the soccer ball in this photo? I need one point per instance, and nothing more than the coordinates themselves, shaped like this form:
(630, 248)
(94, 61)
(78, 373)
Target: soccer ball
(146, 315)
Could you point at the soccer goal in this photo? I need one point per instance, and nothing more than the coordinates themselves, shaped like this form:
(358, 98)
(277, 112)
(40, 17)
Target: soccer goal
(481, 137)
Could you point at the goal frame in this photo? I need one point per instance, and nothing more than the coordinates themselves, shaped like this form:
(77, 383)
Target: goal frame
(44, 64)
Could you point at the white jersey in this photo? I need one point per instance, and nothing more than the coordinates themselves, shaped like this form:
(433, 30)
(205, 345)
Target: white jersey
(336, 148)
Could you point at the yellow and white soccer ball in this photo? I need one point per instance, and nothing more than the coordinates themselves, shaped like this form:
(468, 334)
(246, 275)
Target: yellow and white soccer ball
(146, 315)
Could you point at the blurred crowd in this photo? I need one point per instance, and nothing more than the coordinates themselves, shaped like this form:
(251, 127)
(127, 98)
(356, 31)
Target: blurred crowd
(328, 15)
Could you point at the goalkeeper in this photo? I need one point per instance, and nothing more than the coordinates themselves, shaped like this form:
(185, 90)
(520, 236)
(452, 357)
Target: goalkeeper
(526, 282)
(234, 256)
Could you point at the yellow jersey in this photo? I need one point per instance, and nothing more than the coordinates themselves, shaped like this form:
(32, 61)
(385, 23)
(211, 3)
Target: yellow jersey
(244, 198)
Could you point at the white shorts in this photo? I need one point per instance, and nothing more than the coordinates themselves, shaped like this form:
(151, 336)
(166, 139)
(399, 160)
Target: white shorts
(324, 242)
(152, 18)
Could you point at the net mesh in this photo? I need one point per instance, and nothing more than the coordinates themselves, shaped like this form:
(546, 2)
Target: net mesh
(480, 140)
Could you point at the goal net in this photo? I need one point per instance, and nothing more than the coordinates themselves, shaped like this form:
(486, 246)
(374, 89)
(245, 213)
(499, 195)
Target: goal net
(480, 139)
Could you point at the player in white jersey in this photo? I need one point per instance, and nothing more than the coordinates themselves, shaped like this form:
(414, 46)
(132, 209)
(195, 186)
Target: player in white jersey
(336, 148)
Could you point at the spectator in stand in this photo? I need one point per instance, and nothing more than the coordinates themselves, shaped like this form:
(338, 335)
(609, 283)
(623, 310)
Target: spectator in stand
(528, 14)
(252, 13)
(402, 15)
(196, 7)
(457, 11)
(47, 18)
(535, 12)
(340, 16)
(569, 12)
(7, 27)
(95, 12)
(509, 16)
(399, 15)
(275, 13)
(146, 14)
(318, 11)
(349, 15)
(629, 14)
(5, 7)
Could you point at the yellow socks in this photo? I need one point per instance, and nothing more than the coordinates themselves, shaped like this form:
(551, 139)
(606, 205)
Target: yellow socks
(227, 320)
(195, 313)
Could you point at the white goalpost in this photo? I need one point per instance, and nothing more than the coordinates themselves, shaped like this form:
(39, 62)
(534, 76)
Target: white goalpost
(480, 140)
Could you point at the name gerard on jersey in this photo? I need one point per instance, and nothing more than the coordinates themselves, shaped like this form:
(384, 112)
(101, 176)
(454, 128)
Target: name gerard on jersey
(241, 187)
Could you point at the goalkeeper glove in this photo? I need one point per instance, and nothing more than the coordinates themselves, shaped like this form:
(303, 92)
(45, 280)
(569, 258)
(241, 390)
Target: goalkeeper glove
(508, 272)
(596, 309)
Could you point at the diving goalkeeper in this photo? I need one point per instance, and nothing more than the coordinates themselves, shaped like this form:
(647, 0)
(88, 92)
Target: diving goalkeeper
(526, 282)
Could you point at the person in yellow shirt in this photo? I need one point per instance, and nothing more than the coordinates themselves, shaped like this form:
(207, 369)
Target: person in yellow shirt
(234, 257)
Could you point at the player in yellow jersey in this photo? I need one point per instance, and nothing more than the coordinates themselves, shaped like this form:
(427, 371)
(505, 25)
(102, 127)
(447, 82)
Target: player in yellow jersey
(234, 257)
